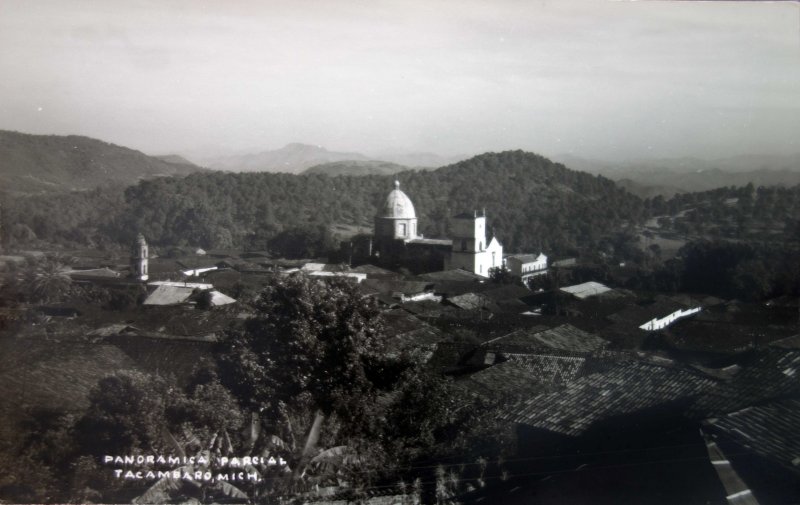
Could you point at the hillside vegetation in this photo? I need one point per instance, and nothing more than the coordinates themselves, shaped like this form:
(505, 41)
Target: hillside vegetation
(32, 164)
(531, 203)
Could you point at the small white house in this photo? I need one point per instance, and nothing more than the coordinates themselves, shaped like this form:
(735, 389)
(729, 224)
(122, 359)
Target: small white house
(660, 323)
(526, 265)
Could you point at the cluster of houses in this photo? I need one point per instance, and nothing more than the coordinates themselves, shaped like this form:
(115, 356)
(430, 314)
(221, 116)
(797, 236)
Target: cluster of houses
(608, 378)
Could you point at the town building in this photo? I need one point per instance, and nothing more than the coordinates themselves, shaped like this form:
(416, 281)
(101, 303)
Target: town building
(525, 266)
(139, 259)
(470, 249)
(397, 242)
(397, 220)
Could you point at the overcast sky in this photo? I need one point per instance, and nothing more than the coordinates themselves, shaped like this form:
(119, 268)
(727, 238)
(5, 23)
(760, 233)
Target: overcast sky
(594, 78)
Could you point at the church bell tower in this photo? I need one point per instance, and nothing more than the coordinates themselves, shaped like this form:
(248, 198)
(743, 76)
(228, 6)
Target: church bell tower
(139, 255)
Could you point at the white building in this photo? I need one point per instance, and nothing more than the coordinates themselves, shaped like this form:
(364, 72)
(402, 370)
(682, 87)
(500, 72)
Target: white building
(659, 323)
(526, 265)
(470, 249)
(139, 259)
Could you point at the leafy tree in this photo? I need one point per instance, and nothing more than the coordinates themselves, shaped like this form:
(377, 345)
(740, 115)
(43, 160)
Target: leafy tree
(501, 275)
(314, 345)
(126, 412)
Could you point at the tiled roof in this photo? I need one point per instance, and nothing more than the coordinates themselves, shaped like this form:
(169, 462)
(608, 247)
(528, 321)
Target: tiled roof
(522, 338)
(409, 330)
(569, 338)
(447, 355)
(95, 272)
(470, 301)
(788, 342)
(509, 378)
(586, 289)
(565, 337)
(772, 373)
(507, 292)
(452, 275)
(373, 271)
(549, 369)
(770, 430)
(628, 387)
(526, 258)
(393, 286)
(169, 295)
(452, 288)
(428, 308)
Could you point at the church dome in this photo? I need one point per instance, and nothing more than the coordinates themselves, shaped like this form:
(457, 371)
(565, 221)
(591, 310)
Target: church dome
(398, 205)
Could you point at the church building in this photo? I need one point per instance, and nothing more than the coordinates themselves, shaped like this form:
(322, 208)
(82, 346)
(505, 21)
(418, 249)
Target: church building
(397, 219)
(470, 249)
(139, 259)
(398, 242)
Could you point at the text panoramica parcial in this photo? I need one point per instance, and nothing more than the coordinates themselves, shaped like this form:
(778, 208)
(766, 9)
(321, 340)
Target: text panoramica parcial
(192, 468)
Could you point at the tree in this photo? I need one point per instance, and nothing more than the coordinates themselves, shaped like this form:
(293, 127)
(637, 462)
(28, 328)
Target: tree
(314, 347)
(501, 275)
(126, 412)
(48, 280)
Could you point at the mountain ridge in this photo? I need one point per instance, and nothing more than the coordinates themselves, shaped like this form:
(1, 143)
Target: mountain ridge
(292, 159)
(31, 164)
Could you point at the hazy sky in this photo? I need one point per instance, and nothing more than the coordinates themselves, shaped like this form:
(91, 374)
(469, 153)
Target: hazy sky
(592, 78)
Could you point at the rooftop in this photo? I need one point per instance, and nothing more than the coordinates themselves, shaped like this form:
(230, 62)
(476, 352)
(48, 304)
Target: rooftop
(586, 289)
(629, 386)
(769, 430)
(564, 337)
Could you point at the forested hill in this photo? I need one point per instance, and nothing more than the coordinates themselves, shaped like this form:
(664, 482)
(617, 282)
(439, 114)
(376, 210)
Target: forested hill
(531, 203)
(50, 164)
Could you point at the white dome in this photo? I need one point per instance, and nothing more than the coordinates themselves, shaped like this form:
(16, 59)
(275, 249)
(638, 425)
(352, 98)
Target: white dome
(398, 205)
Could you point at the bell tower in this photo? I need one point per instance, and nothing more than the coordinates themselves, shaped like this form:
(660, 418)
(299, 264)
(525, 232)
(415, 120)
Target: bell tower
(139, 258)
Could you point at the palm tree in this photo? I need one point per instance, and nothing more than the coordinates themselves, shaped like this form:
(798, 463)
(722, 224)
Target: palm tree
(49, 280)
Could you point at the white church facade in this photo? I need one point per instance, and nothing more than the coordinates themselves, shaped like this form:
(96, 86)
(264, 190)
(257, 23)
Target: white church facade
(471, 250)
(396, 234)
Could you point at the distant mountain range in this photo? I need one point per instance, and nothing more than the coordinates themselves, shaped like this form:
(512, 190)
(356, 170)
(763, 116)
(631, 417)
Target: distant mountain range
(646, 177)
(296, 158)
(32, 164)
(355, 167)
(421, 160)
(292, 159)
(174, 158)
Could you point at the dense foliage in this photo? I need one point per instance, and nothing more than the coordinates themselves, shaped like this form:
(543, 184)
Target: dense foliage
(532, 204)
(741, 213)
